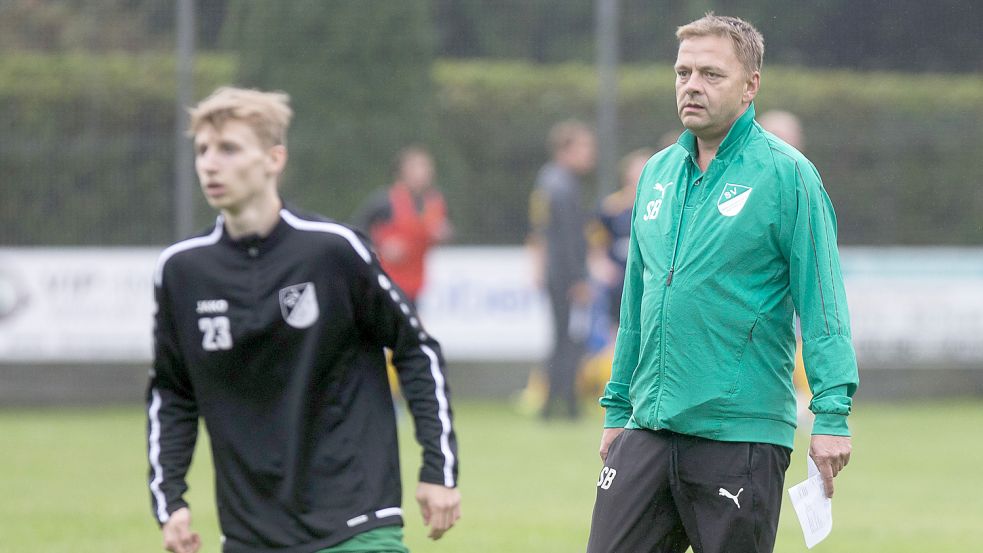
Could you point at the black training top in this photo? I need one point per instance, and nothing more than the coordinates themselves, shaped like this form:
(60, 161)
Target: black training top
(278, 344)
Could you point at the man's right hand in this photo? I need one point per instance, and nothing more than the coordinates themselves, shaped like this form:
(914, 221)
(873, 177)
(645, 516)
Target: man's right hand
(440, 507)
(608, 436)
(178, 536)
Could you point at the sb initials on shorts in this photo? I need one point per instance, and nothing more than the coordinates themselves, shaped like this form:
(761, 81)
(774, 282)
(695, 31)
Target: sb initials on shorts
(661, 492)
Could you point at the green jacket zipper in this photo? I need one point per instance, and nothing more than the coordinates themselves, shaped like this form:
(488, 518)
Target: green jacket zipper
(665, 301)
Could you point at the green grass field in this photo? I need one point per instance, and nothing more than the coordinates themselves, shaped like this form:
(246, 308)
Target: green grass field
(73, 481)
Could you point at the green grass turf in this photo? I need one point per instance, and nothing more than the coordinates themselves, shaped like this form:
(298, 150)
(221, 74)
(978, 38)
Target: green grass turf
(73, 480)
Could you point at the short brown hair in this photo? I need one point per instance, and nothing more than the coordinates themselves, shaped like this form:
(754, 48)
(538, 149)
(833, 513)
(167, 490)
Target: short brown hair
(564, 133)
(267, 113)
(748, 42)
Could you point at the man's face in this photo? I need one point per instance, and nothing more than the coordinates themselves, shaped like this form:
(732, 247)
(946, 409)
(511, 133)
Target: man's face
(712, 88)
(417, 171)
(233, 166)
(581, 154)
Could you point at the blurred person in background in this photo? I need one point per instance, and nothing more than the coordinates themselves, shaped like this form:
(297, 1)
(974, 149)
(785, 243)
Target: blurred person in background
(611, 228)
(608, 233)
(668, 138)
(406, 220)
(270, 327)
(733, 234)
(558, 244)
(786, 126)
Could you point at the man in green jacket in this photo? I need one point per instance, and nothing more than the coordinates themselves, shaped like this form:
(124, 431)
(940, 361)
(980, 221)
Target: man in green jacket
(732, 234)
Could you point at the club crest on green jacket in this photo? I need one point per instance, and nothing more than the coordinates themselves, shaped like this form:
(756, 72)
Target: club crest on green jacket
(732, 199)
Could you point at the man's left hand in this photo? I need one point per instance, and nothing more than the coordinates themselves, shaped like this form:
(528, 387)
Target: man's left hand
(831, 454)
(440, 506)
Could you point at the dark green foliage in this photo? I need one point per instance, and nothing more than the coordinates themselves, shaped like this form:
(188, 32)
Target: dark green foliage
(898, 153)
(86, 145)
(901, 35)
(359, 75)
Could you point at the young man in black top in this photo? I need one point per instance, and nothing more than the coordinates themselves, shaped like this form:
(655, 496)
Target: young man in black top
(271, 327)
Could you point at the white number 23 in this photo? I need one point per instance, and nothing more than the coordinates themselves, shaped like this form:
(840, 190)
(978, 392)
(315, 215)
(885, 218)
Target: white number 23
(216, 333)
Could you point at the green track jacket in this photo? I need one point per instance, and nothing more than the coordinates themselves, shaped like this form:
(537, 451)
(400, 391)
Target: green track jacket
(718, 263)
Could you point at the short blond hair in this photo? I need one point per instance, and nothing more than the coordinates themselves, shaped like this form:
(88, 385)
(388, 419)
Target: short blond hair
(748, 42)
(564, 133)
(267, 113)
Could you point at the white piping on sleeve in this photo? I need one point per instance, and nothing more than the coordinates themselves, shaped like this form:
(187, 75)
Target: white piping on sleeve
(333, 228)
(188, 244)
(159, 497)
(443, 413)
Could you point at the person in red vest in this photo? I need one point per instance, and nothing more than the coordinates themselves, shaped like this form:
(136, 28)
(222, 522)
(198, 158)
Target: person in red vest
(407, 219)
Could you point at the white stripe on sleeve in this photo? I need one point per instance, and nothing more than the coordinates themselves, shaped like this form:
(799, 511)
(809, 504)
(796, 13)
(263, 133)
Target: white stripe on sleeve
(333, 228)
(158, 479)
(188, 244)
(443, 413)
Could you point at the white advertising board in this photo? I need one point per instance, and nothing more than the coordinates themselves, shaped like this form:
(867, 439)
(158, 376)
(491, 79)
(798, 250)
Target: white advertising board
(909, 306)
(481, 303)
(916, 307)
(76, 304)
(96, 304)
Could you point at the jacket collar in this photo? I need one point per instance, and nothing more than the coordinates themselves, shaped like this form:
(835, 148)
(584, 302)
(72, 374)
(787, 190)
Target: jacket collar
(261, 244)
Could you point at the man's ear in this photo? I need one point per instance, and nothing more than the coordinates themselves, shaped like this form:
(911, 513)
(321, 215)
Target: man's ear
(276, 159)
(752, 86)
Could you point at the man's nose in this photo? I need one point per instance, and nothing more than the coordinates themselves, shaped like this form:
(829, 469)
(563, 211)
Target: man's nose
(693, 85)
(206, 161)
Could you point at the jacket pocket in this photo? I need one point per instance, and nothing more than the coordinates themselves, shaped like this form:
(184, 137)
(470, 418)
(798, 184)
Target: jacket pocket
(748, 337)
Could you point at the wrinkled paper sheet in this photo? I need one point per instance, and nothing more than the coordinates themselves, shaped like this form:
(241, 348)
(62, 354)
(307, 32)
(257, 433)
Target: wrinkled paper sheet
(814, 509)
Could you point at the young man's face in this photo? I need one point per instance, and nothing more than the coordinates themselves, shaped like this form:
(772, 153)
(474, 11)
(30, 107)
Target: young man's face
(417, 171)
(234, 168)
(712, 88)
(580, 154)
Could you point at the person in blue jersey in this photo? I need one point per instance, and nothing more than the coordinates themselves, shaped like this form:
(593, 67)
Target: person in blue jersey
(611, 227)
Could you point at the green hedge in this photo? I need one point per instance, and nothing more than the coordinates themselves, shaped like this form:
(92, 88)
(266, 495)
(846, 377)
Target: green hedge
(900, 154)
(86, 145)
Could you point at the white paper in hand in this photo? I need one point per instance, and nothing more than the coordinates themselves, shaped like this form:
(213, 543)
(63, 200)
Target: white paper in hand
(814, 509)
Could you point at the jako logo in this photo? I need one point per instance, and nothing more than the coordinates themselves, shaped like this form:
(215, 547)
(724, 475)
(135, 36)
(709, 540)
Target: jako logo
(212, 306)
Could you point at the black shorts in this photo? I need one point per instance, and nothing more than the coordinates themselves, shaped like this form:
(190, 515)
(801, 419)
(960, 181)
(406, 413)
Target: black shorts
(661, 492)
